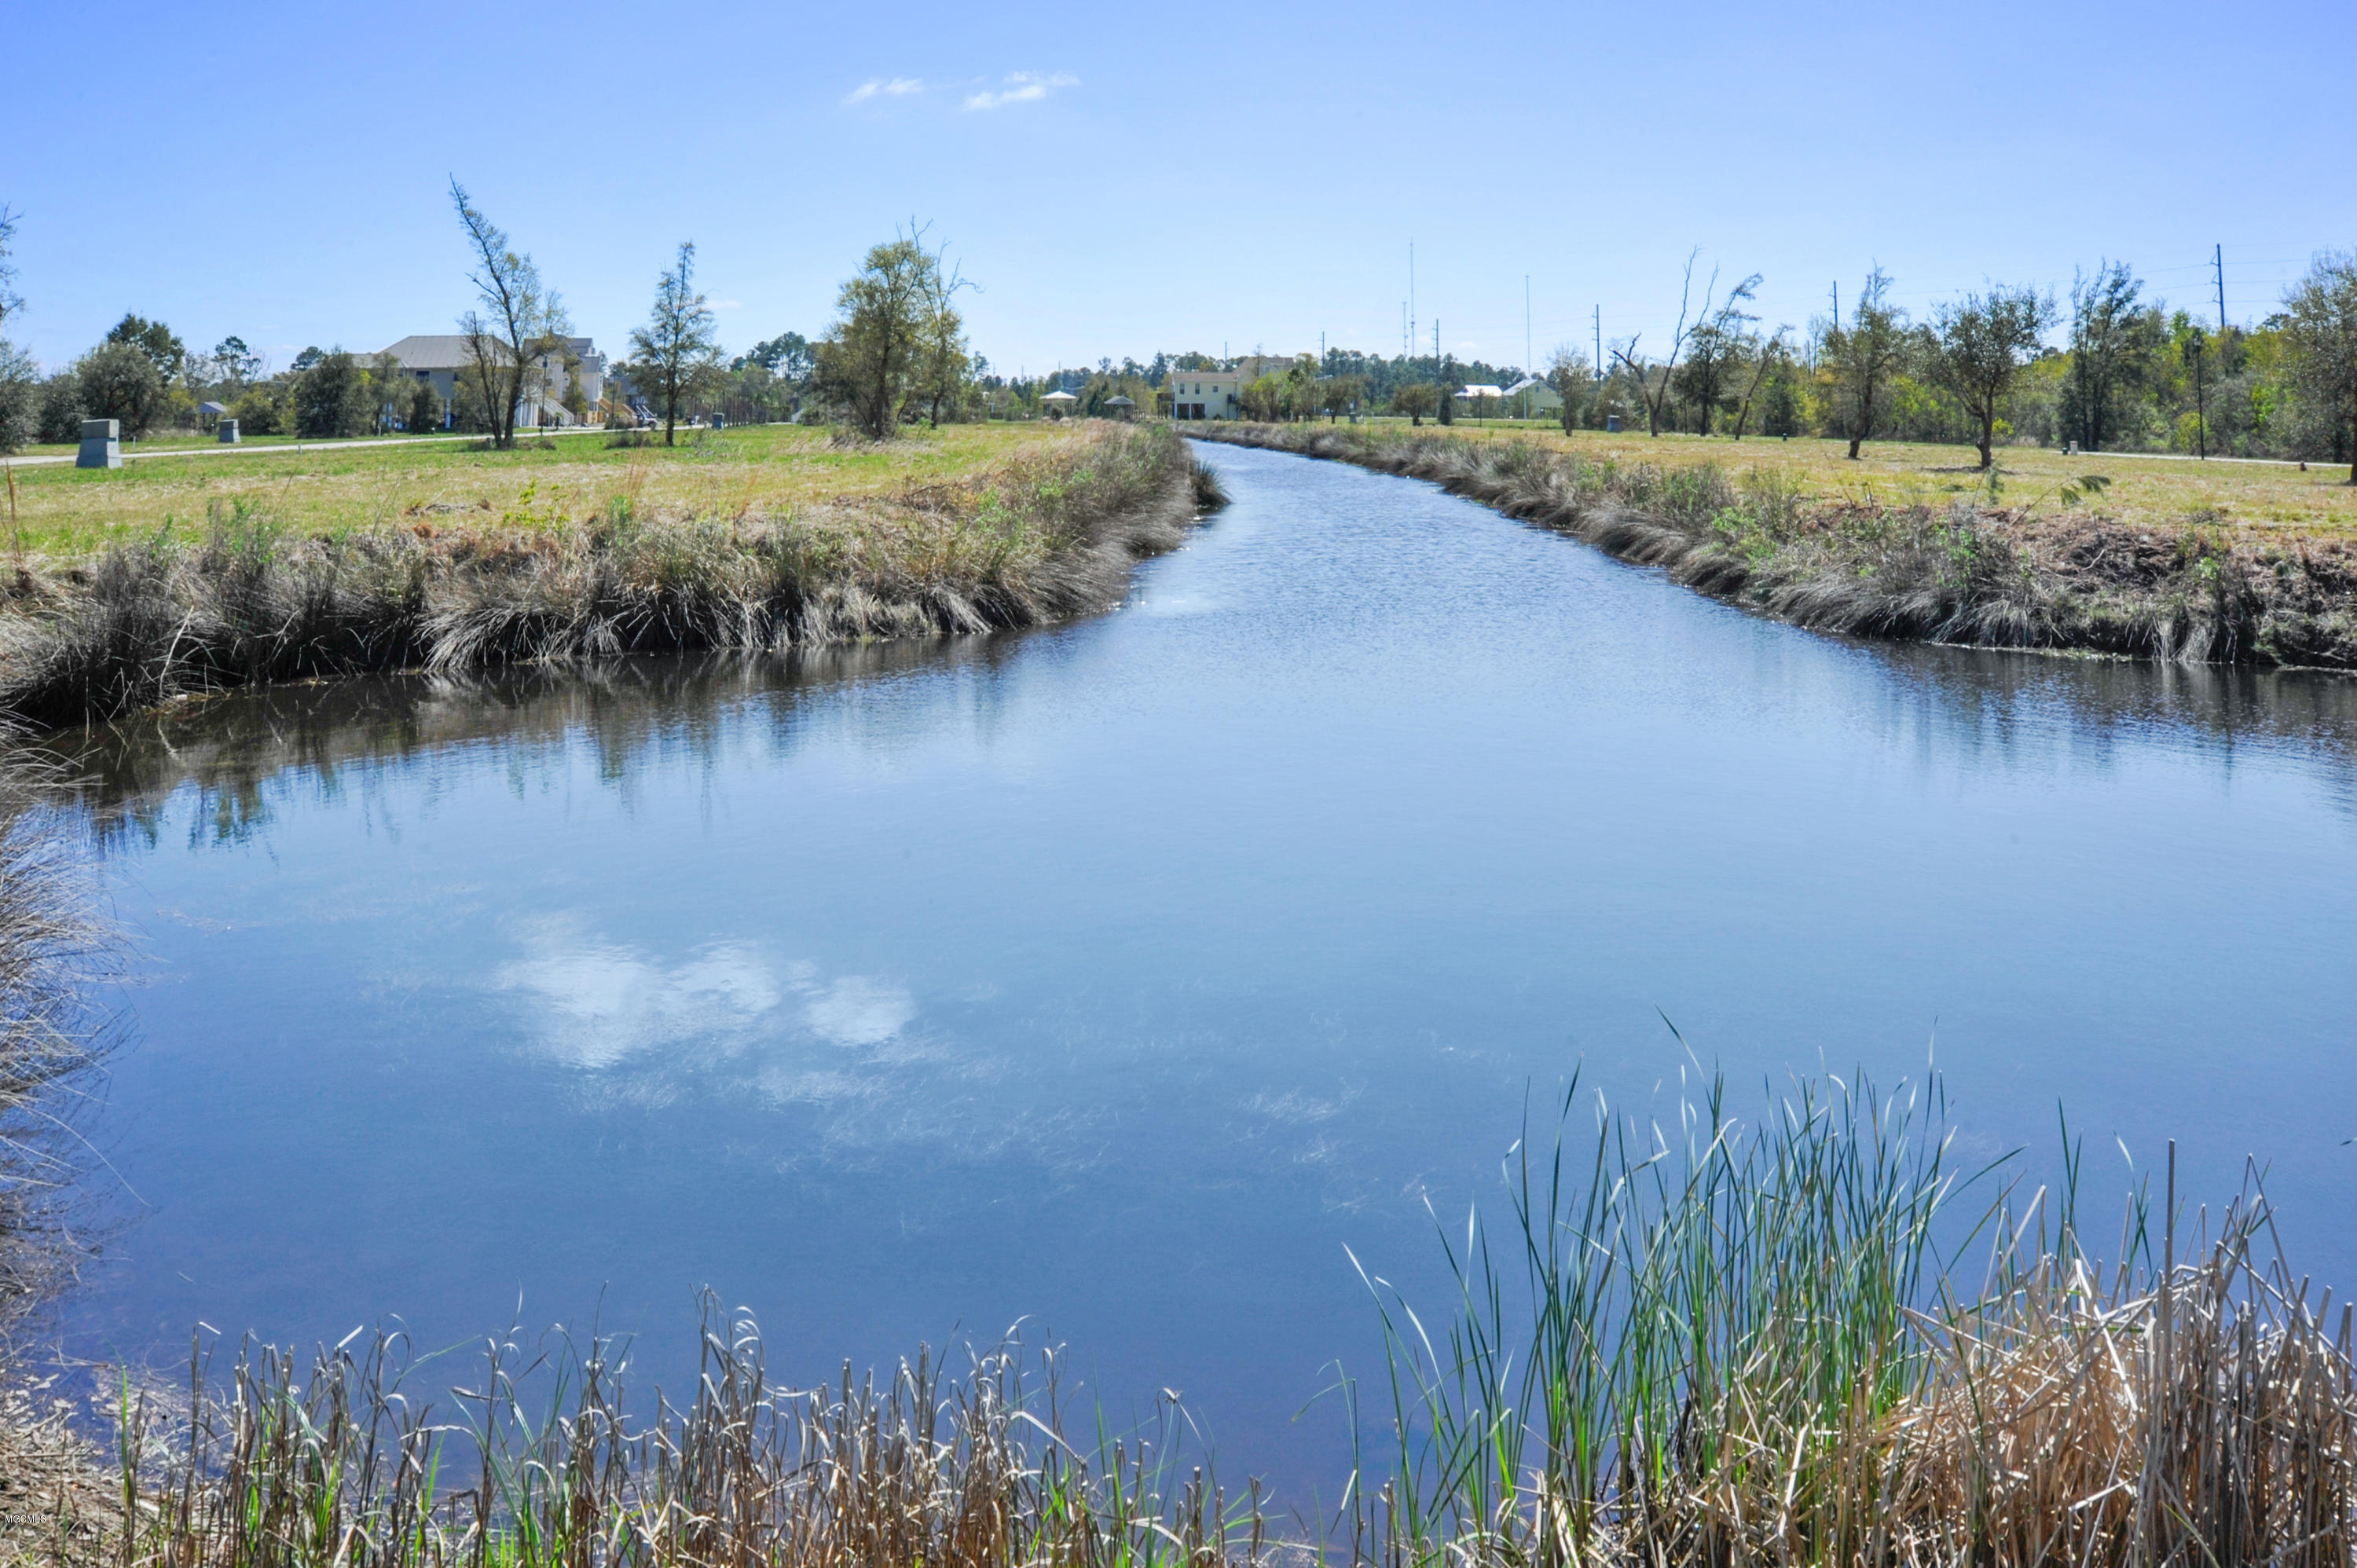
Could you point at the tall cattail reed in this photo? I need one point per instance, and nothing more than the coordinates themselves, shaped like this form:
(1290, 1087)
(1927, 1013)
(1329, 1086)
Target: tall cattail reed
(540, 1463)
(1733, 1343)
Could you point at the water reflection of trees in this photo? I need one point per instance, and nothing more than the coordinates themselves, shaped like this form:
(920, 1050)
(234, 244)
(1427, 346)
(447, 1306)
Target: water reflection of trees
(240, 751)
(2013, 704)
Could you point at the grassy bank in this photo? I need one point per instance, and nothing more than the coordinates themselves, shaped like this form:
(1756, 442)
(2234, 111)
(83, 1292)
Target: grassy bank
(1803, 1340)
(2055, 566)
(138, 585)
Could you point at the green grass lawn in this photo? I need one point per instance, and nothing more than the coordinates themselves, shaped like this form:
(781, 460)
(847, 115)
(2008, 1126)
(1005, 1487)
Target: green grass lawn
(64, 512)
(2145, 489)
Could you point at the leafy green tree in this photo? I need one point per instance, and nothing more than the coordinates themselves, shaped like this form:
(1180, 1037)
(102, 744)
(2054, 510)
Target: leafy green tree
(2321, 329)
(675, 357)
(334, 397)
(261, 410)
(424, 412)
(159, 342)
(118, 381)
(1865, 358)
(234, 362)
(2113, 342)
(20, 398)
(1415, 400)
(1983, 341)
(516, 321)
(1770, 360)
(869, 357)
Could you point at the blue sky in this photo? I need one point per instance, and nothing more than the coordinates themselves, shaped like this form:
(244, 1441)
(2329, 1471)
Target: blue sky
(1121, 177)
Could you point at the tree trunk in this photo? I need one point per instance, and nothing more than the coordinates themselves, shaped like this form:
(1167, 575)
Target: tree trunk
(1988, 436)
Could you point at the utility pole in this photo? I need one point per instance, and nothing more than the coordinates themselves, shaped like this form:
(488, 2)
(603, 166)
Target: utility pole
(1447, 404)
(2218, 260)
(1598, 367)
(1526, 329)
(2201, 400)
(1411, 292)
(1836, 305)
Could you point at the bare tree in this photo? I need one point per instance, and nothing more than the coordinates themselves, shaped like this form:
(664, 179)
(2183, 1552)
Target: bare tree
(1654, 379)
(1865, 357)
(1767, 359)
(2323, 307)
(11, 301)
(516, 321)
(675, 357)
(943, 358)
(19, 381)
(1718, 350)
(1983, 342)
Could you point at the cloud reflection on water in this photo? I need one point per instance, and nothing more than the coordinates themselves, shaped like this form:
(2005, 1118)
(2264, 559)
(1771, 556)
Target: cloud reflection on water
(603, 1006)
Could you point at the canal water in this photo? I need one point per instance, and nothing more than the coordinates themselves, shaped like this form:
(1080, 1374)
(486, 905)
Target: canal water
(1114, 978)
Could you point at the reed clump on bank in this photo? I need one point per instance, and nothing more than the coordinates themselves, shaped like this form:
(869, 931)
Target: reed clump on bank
(1814, 1340)
(1798, 1343)
(1047, 532)
(2039, 575)
(54, 947)
(54, 944)
(348, 1456)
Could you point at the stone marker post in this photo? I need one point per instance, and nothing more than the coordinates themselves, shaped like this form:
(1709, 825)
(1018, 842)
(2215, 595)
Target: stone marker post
(101, 444)
(229, 432)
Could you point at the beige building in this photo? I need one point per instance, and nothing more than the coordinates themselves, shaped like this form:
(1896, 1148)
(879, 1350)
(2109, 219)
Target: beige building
(1530, 397)
(1205, 394)
(440, 359)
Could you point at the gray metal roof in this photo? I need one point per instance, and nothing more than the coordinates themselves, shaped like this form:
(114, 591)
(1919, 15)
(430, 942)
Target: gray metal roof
(447, 351)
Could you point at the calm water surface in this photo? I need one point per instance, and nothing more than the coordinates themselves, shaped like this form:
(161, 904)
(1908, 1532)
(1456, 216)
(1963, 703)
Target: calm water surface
(1115, 978)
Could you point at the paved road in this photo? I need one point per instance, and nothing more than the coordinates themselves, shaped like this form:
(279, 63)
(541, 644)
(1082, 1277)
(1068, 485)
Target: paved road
(240, 449)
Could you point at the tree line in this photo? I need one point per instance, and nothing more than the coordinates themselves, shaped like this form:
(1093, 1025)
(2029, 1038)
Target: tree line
(2128, 374)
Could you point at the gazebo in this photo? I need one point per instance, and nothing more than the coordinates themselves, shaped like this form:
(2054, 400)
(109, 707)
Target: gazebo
(1121, 407)
(1058, 403)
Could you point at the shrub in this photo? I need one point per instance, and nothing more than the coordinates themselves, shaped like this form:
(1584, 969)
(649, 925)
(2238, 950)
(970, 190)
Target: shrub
(257, 412)
(425, 409)
(20, 398)
(59, 416)
(334, 398)
(120, 381)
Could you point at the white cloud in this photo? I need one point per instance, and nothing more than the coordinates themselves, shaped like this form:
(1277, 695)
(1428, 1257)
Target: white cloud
(1021, 87)
(885, 87)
